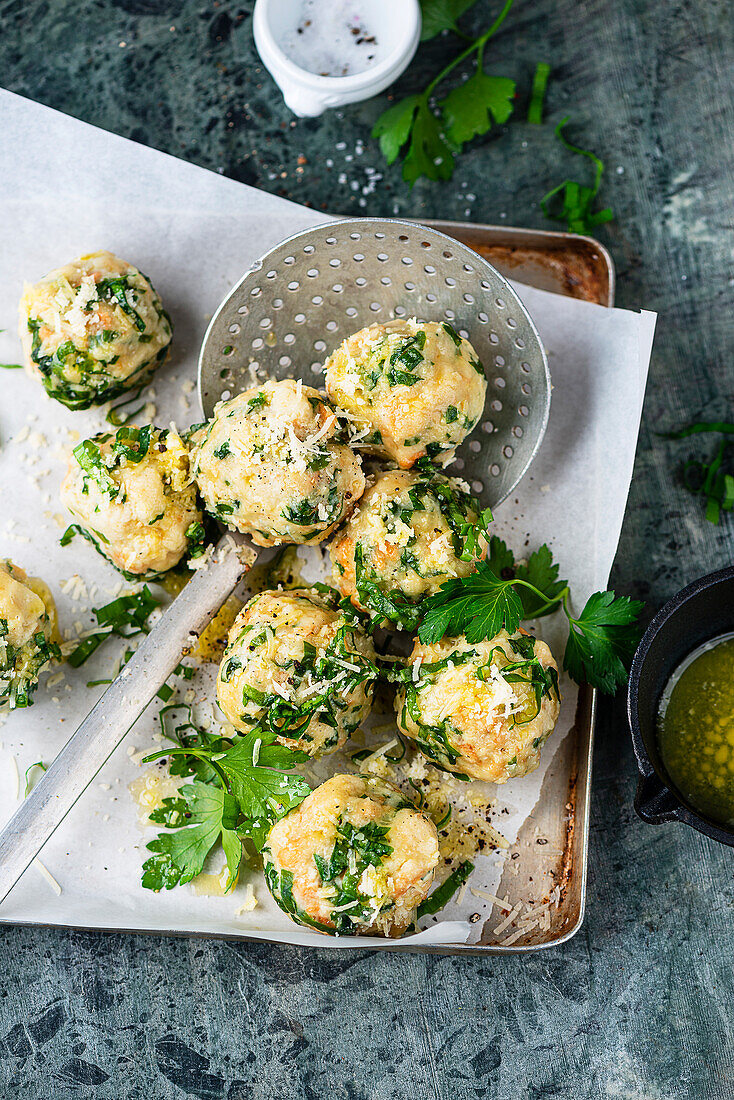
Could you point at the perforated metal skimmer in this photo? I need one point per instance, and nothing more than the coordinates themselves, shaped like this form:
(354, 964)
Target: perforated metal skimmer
(296, 305)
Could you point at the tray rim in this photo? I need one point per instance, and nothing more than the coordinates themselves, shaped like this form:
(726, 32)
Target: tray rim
(507, 236)
(519, 235)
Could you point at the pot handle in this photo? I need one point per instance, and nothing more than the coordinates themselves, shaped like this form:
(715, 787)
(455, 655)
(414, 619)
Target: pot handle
(654, 803)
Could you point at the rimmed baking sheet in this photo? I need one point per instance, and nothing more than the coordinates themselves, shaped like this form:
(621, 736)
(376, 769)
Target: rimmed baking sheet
(195, 233)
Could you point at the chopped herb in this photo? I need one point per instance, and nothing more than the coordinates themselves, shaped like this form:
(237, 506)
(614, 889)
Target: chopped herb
(132, 444)
(29, 783)
(196, 539)
(89, 457)
(572, 202)
(113, 415)
(223, 449)
(537, 96)
(444, 893)
(72, 530)
(710, 480)
(11, 366)
(119, 290)
(124, 617)
(451, 331)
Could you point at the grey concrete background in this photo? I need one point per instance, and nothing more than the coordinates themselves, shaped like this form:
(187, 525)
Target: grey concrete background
(638, 1005)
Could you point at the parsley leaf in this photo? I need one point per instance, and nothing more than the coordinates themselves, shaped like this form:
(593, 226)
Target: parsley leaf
(574, 201)
(442, 15)
(500, 594)
(394, 125)
(244, 792)
(262, 790)
(500, 558)
(469, 109)
(542, 572)
(602, 641)
(429, 154)
(179, 855)
(478, 606)
(431, 133)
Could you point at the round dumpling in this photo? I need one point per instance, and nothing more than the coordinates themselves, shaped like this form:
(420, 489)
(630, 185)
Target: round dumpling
(268, 464)
(354, 858)
(133, 497)
(93, 329)
(482, 711)
(28, 634)
(411, 532)
(296, 667)
(409, 389)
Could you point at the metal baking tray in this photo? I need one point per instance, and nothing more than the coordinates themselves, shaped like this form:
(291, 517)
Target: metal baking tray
(578, 267)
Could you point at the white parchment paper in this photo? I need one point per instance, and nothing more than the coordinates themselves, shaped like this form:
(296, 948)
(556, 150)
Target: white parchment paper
(66, 189)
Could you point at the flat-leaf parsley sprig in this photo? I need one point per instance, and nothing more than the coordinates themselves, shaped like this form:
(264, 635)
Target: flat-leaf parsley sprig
(601, 641)
(249, 787)
(435, 131)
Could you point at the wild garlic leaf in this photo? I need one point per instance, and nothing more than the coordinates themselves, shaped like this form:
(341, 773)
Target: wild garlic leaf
(469, 109)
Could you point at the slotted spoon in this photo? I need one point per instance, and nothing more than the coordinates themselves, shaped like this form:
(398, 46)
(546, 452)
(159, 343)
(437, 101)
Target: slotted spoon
(282, 320)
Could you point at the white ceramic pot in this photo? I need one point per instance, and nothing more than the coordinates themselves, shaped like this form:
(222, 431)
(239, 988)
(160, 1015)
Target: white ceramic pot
(307, 93)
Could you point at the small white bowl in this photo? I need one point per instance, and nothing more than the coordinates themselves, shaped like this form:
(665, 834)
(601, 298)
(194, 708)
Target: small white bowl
(308, 94)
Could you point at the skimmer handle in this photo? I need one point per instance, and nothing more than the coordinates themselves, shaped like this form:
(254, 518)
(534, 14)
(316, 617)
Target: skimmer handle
(121, 705)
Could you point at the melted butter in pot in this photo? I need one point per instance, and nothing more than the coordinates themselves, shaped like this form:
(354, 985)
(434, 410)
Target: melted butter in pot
(696, 729)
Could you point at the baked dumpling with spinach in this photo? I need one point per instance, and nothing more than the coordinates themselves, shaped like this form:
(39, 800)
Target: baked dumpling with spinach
(132, 495)
(412, 531)
(295, 666)
(410, 388)
(355, 858)
(28, 634)
(481, 710)
(93, 329)
(270, 464)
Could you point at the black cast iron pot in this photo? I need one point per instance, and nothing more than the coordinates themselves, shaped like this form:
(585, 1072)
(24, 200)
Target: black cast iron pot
(703, 610)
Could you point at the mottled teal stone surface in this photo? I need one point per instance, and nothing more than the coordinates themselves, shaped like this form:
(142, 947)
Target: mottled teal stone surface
(639, 1004)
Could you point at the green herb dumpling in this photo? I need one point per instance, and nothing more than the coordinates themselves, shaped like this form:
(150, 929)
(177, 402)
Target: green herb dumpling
(133, 495)
(28, 634)
(269, 465)
(411, 532)
(355, 858)
(409, 389)
(296, 667)
(93, 329)
(481, 710)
